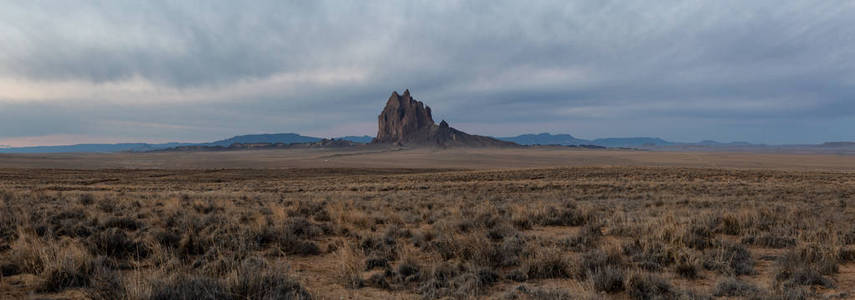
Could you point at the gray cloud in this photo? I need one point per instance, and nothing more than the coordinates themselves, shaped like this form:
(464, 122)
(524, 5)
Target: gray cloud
(763, 71)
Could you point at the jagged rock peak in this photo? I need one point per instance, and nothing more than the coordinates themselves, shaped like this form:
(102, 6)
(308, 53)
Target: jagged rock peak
(407, 121)
(403, 116)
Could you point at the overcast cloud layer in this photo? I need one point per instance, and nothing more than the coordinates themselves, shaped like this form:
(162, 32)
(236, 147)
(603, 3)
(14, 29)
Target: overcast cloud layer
(761, 71)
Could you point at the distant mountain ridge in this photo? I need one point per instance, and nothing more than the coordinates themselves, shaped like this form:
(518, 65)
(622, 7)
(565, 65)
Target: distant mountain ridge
(275, 138)
(569, 140)
(285, 138)
(323, 143)
(78, 148)
(631, 142)
(365, 139)
(524, 139)
(545, 139)
(650, 142)
(838, 144)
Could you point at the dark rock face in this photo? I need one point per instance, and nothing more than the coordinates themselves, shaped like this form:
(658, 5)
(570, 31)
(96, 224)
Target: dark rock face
(403, 117)
(406, 121)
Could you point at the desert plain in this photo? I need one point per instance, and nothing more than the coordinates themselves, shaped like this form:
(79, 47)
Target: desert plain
(467, 223)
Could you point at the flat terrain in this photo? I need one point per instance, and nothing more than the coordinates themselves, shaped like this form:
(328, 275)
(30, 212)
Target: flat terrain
(622, 231)
(428, 158)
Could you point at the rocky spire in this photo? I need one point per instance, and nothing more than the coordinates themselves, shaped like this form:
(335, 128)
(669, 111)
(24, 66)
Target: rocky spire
(402, 117)
(406, 121)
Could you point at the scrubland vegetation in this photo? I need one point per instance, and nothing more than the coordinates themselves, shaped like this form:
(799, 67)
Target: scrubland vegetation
(569, 233)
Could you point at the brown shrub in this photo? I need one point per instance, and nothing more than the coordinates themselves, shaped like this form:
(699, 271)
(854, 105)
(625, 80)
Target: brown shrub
(548, 263)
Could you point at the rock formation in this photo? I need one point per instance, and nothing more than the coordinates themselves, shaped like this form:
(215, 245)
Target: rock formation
(407, 121)
(403, 117)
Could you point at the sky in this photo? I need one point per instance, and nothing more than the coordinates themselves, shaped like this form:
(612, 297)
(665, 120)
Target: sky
(778, 72)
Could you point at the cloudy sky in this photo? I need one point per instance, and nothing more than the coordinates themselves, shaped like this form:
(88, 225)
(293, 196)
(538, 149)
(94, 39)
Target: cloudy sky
(119, 71)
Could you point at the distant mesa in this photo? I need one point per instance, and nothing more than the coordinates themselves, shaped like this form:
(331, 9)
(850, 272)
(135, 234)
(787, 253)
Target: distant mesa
(323, 143)
(287, 138)
(838, 144)
(569, 140)
(546, 139)
(407, 121)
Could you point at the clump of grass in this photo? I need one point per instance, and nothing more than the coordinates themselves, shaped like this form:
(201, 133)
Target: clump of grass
(379, 251)
(257, 279)
(697, 236)
(107, 205)
(687, 265)
(293, 245)
(597, 260)
(311, 209)
(527, 292)
(254, 278)
(189, 287)
(524, 222)
(456, 281)
(729, 224)
(65, 267)
(587, 238)
(548, 263)
(303, 228)
(114, 242)
(125, 223)
(730, 259)
(648, 255)
(377, 280)
(732, 287)
(8, 227)
(807, 265)
(566, 215)
(351, 264)
(790, 293)
(770, 240)
(86, 199)
(106, 283)
(68, 221)
(167, 238)
(192, 244)
(9, 269)
(477, 248)
(32, 254)
(649, 286)
(608, 279)
(409, 271)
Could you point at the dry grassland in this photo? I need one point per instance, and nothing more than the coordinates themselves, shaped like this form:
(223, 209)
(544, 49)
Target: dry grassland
(562, 233)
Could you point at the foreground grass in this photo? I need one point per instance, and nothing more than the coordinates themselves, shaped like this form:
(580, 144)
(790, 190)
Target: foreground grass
(639, 233)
